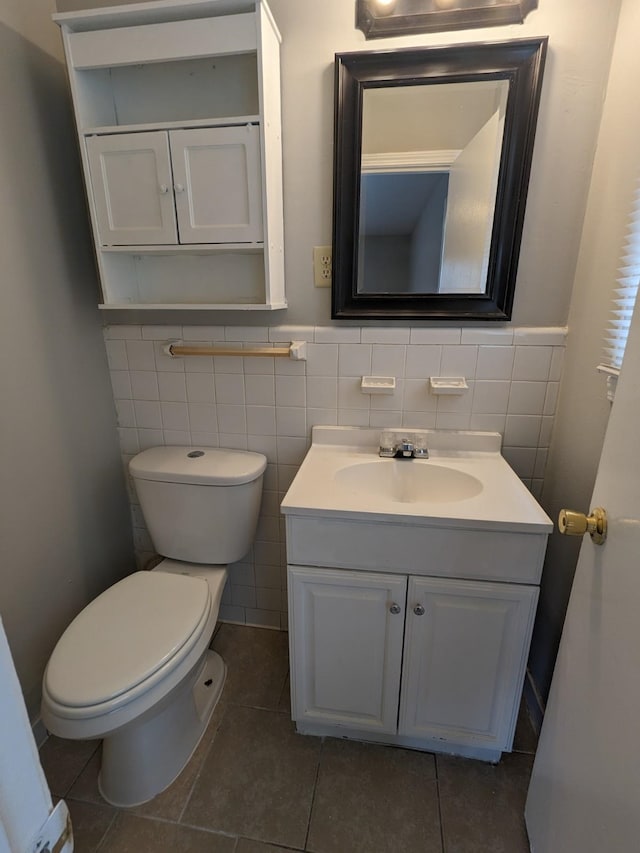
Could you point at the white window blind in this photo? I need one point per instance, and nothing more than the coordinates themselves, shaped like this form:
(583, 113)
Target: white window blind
(625, 292)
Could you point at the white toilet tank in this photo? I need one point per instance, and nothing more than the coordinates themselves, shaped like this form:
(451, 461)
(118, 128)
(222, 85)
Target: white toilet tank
(200, 505)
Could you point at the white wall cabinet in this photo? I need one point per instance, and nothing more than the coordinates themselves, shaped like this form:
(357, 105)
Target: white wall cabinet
(178, 112)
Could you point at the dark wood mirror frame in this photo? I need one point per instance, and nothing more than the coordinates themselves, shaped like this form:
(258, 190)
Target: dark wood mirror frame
(519, 62)
(377, 23)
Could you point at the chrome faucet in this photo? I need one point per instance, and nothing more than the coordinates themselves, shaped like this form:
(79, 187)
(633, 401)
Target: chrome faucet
(404, 449)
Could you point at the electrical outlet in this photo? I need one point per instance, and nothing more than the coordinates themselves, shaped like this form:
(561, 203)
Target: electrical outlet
(322, 256)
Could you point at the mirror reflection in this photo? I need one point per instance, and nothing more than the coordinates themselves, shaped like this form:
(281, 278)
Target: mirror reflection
(430, 159)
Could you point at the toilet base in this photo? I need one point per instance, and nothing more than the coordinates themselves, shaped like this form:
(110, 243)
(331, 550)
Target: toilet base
(143, 758)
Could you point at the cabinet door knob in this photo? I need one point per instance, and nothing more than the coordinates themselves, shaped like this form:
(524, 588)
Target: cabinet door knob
(164, 188)
(395, 609)
(418, 610)
(178, 188)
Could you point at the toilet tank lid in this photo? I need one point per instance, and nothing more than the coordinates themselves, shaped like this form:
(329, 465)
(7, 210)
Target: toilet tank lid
(211, 466)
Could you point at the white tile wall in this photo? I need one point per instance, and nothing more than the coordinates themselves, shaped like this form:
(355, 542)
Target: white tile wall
(270, 405)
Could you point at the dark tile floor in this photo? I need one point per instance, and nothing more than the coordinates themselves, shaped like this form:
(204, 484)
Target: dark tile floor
(255, 786)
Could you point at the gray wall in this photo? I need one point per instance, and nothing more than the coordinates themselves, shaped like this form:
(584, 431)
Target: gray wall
(583, 410)
(65, 532)
(581, 36)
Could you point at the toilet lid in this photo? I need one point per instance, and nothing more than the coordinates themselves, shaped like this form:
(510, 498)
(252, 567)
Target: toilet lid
(125, 635)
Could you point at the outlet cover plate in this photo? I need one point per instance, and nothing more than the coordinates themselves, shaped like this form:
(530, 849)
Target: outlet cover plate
(322, 262)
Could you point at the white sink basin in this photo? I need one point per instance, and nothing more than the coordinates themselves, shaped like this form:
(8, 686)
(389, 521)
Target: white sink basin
(465, 483)
(409, 481)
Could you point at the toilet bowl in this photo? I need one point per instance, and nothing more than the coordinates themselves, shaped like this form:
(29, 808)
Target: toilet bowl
(134, 667)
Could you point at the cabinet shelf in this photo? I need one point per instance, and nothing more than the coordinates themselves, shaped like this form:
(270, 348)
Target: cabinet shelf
(187, 306)
(161, 42)
(191, 249)
(227, 121)
(138, 14)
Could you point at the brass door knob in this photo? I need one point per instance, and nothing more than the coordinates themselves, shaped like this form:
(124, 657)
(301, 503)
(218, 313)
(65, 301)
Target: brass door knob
(574, 523)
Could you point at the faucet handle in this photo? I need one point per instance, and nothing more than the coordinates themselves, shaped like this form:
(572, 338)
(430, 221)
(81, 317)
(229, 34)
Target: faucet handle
(387, 443)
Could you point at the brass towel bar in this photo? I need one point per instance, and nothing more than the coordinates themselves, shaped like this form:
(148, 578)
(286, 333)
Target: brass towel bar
(295, 351)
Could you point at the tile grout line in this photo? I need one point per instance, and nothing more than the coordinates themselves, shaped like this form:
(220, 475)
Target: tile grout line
(64, 795)
(284, 683)
(101, 843)
(169, 822)
(313, 795)
(437, 781)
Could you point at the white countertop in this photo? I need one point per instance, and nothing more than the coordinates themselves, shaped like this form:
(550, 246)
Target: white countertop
(503, 503)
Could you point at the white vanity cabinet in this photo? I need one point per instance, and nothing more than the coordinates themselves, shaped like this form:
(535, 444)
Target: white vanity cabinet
(177, 107)
(413, 587)
(429, 662)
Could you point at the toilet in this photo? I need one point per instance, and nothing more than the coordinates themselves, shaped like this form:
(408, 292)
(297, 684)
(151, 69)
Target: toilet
(134, 668)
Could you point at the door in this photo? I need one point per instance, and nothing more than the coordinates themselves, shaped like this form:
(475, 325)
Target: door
(466, 647)
(584, 794)
(28, 819)
(217, 184)
(132, 189)
(346, 646)
(471, 199)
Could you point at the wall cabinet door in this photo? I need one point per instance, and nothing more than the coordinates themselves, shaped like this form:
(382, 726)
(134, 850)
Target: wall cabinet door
(466, 647)
(346, 632)
(209, 178)
(216, 173)
(132, 189)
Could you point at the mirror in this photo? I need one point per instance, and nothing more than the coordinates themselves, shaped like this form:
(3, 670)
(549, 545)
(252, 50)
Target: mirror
(432, 157)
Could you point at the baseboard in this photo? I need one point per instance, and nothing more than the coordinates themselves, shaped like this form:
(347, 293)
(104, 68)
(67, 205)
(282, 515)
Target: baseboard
(534, 703)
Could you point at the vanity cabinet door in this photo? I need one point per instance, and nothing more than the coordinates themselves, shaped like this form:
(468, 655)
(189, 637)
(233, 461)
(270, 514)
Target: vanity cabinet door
(217, 184)
(345, 637)
(132, 190)
(465, 653)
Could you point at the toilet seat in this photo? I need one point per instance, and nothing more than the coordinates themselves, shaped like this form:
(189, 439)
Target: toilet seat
(126, 641)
